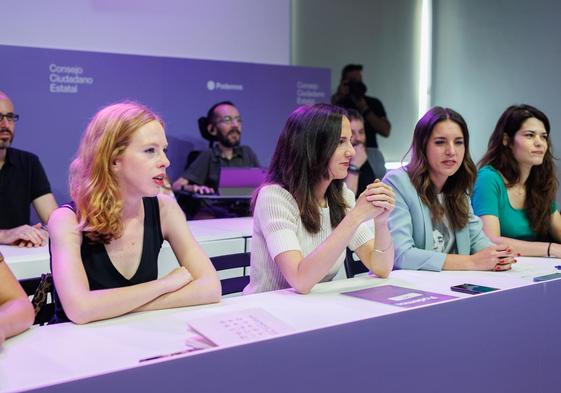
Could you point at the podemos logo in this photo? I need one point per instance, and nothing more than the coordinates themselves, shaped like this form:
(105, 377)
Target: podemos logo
(212, 85)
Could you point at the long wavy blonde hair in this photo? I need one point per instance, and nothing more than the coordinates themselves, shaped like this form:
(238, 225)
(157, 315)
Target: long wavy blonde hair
(93, 185)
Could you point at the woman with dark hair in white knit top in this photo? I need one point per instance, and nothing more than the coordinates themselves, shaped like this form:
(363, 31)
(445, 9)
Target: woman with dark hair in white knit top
(305, 216)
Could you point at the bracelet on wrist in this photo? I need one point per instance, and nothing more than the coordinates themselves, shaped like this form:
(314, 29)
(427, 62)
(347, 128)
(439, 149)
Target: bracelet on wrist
(549, 250)
(384, 250)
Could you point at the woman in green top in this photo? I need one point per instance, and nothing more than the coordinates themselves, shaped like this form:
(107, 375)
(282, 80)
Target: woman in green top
(516, 185)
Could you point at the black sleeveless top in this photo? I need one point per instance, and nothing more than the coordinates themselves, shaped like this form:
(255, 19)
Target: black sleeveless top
(101, 272)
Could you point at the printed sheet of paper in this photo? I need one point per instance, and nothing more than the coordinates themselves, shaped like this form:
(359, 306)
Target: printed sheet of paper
(399, 296)
(240, 327)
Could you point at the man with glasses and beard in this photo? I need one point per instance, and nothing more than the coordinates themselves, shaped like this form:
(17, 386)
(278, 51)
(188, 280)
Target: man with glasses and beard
(223, 127)
(22, 182)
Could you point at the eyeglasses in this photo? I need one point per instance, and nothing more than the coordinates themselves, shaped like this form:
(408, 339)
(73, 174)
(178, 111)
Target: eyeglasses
(12, 117)
(230, 119)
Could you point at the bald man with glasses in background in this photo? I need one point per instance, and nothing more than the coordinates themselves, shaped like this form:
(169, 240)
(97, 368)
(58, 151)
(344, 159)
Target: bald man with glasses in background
(22, 182)
(223, 126)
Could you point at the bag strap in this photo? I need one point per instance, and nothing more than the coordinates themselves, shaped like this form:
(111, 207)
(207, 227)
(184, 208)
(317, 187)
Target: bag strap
(42, 292)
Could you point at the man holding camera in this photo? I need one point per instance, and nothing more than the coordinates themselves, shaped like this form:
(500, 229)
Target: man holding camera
(351, 94)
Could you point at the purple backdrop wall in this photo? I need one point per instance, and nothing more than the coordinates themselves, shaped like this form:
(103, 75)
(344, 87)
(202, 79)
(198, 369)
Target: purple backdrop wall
(57, 91)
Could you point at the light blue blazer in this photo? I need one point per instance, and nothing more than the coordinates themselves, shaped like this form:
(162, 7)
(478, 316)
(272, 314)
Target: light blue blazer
(411, 228)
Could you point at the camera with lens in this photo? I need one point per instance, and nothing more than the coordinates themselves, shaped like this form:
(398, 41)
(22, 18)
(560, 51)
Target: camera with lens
(356, 88)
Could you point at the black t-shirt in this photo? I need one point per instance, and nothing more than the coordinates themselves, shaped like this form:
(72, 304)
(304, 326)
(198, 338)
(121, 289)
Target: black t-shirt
(375, 106)
(101, 272)
(366, 176)
(22, 180)
(205, 170)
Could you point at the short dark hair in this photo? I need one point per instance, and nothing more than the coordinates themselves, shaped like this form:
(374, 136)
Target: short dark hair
(210, 114)
(353, 114)
(350, 68)
(301, 161)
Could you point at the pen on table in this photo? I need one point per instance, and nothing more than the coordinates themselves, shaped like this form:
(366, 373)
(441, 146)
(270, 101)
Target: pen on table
(167, 355)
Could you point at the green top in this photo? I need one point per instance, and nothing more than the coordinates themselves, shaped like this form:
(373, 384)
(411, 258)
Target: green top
(490, 198)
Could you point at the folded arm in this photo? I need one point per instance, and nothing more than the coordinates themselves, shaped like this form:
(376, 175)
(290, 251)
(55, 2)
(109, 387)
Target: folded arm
(81, 304)
(492, 228)
(205, 285)
(16, 312)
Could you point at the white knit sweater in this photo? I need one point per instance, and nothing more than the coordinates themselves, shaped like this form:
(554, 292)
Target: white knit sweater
(277, 228)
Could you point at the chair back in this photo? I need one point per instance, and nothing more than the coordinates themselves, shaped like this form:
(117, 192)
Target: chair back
(233, 261)
(352, 266)
(192, 156)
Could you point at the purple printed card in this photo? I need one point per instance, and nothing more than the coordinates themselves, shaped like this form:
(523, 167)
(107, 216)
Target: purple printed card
(399, 296)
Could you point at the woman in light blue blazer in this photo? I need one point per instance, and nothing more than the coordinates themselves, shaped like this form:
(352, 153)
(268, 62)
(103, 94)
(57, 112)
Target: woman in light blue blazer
(433, 226)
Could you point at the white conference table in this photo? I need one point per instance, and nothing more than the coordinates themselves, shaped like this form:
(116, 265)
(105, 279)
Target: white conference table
(500, 341)
(217, 237)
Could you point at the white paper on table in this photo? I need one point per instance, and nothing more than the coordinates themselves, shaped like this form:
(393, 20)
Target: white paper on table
(240, 327)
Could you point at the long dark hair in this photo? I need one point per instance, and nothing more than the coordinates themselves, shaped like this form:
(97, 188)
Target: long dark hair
(301, 161)
(541, 185)
(457, 186)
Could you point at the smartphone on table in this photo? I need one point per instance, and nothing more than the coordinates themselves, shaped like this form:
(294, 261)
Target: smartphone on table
(547, 277)
(472, 289)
